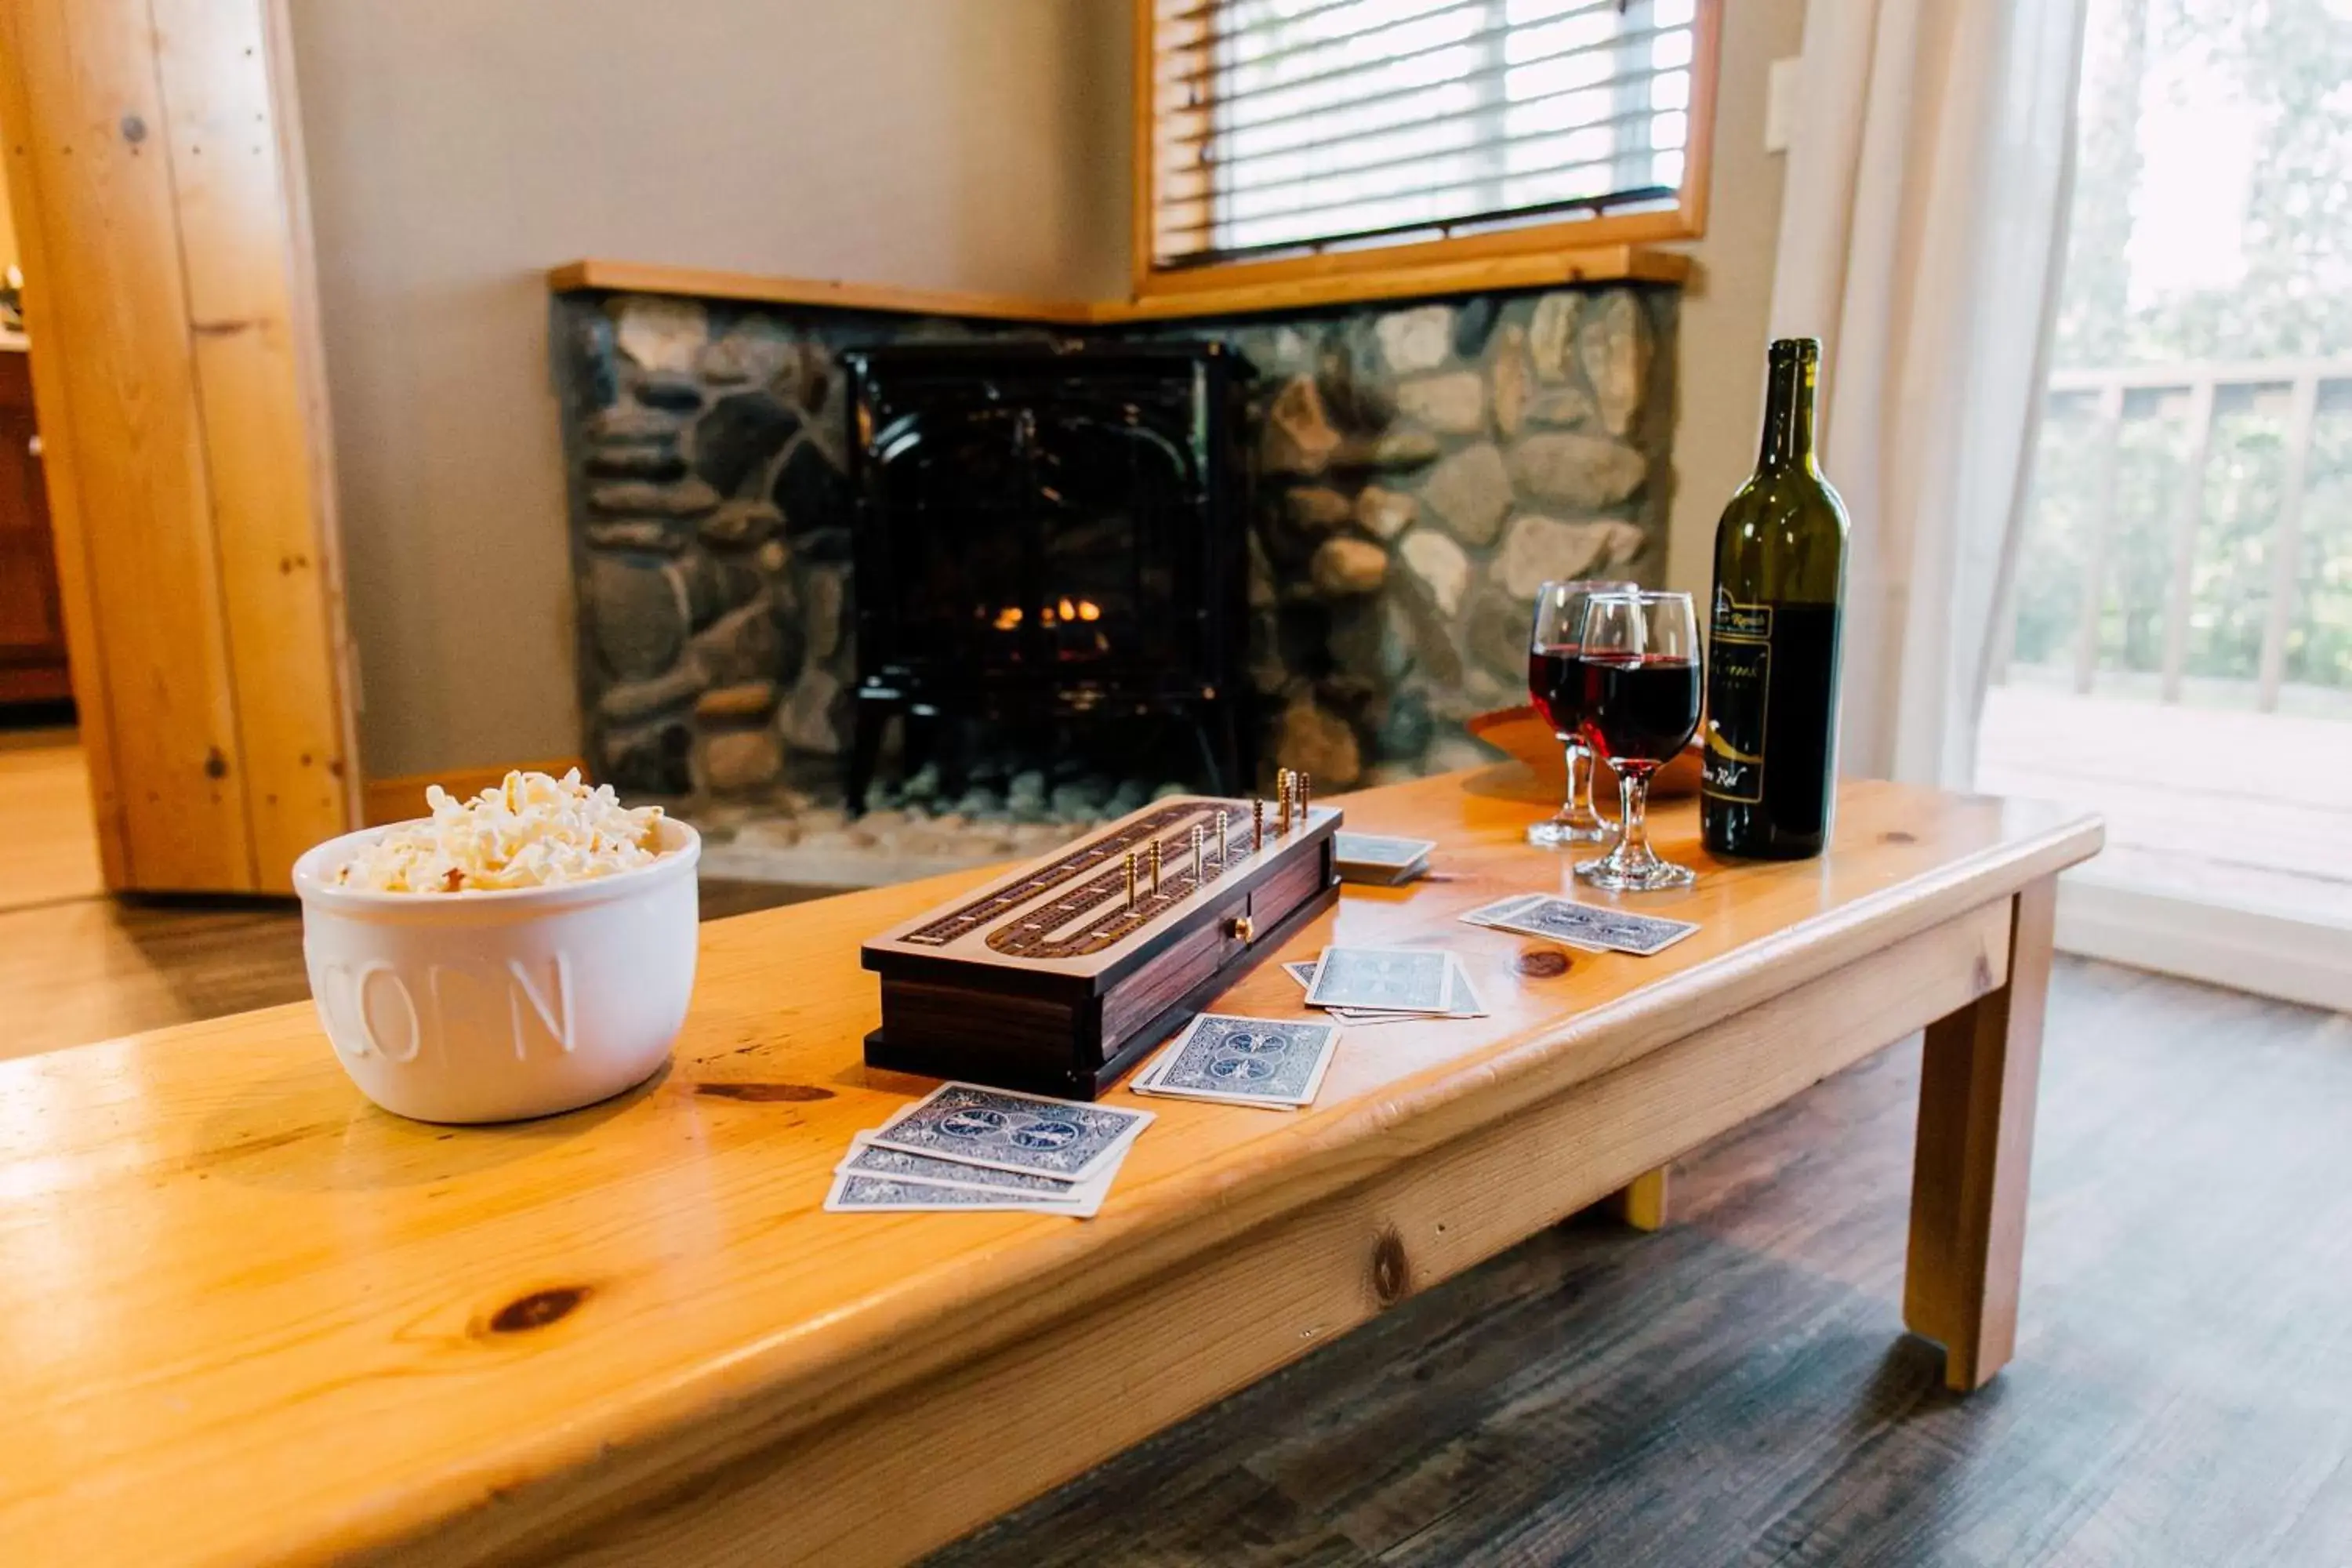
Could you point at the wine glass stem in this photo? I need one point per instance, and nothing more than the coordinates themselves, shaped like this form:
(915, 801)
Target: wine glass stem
(1578, 787)
(1632, 813)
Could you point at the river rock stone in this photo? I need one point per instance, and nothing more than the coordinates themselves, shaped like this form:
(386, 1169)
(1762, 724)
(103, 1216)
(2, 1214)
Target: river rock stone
(1614, 346)
(1562, 408)
(1315, 509)
(638, 615)
(754, 350)
(647, 759)
(1496, 634)
(659, 332)
(824, 594)
(1551, 332)
(1415, 340)
(1385, 513)
(739, 435)
(746, 644)
(734, 760)
(737, 524)
(633, 423)
(651, 461)
(1407, 447)
(1406, 726)
(1320, 743)
(652, 535)
(627, 701)
(686, 497)
(745, 700)
(816, 714)
(1581, 472)
(1453, 404)
(810, 492)
(1470, 492)
(1538, 549)
(1298, 437)
(1440, 565)
(1344, 567)
(1507, 370)
(1473, 320)
(673, 392)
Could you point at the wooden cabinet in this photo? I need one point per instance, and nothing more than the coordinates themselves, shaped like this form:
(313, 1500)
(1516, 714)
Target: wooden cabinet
(32, 631)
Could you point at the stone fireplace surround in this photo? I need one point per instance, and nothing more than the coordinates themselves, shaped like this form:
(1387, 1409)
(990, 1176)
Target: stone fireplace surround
(1419, 468)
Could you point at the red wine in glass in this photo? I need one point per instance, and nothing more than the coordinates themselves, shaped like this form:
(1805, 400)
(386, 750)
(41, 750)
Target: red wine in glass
(1556, 682)
(1639, 709)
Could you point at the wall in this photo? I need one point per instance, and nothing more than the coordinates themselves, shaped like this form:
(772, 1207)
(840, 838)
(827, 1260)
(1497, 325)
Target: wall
(456, 149)
(1725, 304)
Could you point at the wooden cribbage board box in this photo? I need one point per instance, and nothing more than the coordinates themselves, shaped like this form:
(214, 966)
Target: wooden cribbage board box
(1044, 979)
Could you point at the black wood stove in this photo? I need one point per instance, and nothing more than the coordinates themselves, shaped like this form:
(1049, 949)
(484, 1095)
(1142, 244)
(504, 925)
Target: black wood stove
(1049, 532)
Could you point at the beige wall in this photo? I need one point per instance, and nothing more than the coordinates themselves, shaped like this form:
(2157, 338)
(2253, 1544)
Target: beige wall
(1720, 379)
(458, 148)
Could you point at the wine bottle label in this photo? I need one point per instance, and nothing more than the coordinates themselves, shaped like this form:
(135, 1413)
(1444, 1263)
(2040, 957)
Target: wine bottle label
(1738, 686)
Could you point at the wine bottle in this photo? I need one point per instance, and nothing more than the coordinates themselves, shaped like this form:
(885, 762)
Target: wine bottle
(1769, 782)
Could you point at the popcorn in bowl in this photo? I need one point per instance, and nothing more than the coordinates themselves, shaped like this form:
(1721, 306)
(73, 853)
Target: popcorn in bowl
(531, 831)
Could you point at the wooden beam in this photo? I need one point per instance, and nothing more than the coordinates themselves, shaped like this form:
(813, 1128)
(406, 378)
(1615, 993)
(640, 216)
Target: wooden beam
(709, 283)
(1548, 269)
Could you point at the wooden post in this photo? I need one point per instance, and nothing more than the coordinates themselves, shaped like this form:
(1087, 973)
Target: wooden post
(1975, 1154)
(1641, 1202)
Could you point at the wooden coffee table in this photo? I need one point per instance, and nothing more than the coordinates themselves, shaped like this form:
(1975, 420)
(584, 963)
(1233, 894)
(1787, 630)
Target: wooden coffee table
(244, 1318)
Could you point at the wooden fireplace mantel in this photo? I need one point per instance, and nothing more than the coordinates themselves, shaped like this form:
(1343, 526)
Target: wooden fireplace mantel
(1601, 264)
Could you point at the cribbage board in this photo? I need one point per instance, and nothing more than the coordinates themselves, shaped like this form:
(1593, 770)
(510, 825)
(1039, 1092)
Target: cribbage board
(1047, 980)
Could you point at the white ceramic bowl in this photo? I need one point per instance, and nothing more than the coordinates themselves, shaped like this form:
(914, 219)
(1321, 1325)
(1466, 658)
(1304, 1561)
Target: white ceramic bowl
(487, 1007)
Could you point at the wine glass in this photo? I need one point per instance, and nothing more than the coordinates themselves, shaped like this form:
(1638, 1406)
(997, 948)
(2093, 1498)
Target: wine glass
(1641, 704)
(1556, 682)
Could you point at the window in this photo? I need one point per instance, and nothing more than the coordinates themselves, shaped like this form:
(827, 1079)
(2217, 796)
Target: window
(1332, 136)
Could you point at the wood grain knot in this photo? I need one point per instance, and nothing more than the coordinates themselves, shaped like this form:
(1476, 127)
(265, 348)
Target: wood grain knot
(538, 1309)
(762, 1092)
(1983, 974)
(215, 764)
(1897, 835)
(1543, 964)
(1391, 1270)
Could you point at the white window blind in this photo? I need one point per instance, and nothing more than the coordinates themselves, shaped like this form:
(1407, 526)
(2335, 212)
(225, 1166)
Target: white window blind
(1291, 125)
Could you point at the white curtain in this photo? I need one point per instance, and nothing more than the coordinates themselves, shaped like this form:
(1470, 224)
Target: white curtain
(1921, 239)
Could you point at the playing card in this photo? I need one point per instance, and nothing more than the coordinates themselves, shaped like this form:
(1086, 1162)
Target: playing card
(1587, 925)
(854, 1191)
(1386, 979)
(1486, 914)
(1467, 1003)
(1002, 1130)
(1274, 1062)
(866, 1158)
(1375, 849)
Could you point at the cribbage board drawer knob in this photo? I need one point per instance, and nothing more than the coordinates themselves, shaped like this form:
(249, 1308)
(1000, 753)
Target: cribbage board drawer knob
(1240, 928)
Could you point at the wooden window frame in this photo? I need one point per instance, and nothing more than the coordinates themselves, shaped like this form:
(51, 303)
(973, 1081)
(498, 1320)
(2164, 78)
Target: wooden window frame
(1370, 265)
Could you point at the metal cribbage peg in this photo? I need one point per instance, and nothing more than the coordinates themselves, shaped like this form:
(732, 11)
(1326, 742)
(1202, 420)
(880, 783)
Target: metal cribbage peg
(1224, 842)
(1282, 789)
(1130, 880)
(1200, 838)
(1155, 867)
(1306, 792)
(1257, 823)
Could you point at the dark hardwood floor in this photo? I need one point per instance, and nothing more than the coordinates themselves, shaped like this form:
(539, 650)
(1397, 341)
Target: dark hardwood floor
(1738, 1388)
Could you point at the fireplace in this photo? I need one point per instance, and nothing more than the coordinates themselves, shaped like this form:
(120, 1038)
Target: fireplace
(1048, 536)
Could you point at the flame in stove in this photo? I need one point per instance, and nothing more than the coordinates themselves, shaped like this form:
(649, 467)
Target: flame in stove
(1088, 610)
(1008, 618)
(1061, 612)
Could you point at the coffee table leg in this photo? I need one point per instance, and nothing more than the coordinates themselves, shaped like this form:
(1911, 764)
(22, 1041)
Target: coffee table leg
(1974, 1154)
(1641, 1202)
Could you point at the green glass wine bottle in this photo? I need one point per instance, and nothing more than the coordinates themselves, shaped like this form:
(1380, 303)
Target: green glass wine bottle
(1770, 785)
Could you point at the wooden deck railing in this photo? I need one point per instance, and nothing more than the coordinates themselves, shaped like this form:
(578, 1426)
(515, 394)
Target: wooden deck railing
(2109, 388)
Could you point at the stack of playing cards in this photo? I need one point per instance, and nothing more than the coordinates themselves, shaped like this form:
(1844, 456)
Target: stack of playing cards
(1588, 926)
(964, 1146)
(1388, 984)
(1381, 862)
(1277, 1063)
